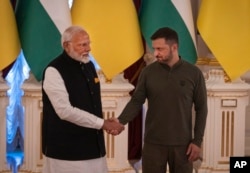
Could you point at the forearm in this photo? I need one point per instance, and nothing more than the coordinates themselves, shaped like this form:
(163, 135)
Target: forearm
(199, 128)
(129, 112)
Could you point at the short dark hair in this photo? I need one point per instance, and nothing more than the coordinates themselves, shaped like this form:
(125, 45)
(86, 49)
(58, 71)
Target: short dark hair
(167, 33)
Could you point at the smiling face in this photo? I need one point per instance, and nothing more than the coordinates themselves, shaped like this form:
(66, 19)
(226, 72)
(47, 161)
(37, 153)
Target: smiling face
(79, 46)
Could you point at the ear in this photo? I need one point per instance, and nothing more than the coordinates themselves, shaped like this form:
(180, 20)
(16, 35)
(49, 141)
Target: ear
(175, 47)
(66, 46)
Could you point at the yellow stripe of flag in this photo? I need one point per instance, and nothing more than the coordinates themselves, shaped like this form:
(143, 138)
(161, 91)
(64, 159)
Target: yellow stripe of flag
(9, 42)
(114, 32)
(225, 27)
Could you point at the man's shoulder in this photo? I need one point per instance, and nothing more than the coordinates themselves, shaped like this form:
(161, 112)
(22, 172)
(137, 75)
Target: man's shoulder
(57, 60)
(190, 65)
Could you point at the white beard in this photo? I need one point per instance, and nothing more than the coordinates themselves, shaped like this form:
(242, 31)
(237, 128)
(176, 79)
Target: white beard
(82, 58)
(85, 59)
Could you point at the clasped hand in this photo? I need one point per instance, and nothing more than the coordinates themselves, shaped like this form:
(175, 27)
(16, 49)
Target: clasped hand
(113, 126)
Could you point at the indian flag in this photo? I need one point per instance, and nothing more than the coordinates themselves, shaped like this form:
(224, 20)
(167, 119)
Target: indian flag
(40, 25)
(225, 27)
(114, 31)
(176, 14)
(9, 42)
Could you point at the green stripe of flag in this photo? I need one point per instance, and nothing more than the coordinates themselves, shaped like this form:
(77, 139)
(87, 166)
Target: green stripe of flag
(39, 36)
(155, 14)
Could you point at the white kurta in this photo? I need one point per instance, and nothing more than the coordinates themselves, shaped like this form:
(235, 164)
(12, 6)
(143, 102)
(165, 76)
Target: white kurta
(63, 166)
(55, 88)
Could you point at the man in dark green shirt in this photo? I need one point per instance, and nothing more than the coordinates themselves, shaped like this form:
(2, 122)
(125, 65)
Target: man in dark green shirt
(172, 87)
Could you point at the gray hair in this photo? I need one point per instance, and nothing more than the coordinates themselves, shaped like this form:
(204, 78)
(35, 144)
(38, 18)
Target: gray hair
(70, 32)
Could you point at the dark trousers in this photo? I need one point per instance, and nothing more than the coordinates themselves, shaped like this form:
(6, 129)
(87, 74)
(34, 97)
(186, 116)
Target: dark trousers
(156, 157)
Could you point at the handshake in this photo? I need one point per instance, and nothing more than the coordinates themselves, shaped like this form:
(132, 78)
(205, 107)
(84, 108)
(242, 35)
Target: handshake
(113, 126)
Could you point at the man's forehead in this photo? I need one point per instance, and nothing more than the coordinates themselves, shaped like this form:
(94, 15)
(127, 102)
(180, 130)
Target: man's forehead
(80, 36)
(159, 42)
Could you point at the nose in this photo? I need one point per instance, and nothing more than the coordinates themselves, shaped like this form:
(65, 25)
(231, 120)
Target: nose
(87, 47)
(155, 53)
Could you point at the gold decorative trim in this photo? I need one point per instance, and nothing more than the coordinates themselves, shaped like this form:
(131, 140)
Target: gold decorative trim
(232, 133)
(227, 134)
(202, 61)
(222, 134)
(207, 61)
(223, 162)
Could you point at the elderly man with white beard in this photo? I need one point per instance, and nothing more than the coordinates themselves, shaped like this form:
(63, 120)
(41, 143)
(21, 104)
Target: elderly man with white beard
(72, 124)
